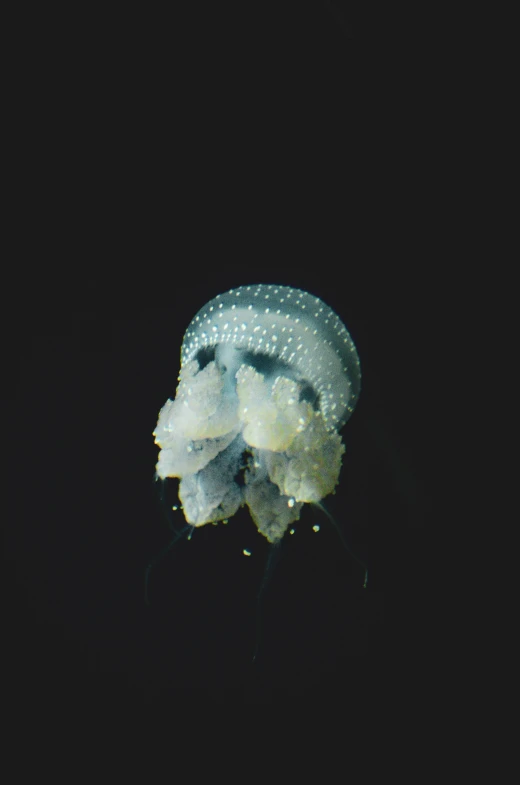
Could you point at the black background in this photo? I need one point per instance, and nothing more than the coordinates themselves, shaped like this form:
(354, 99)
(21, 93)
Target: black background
(163, 165)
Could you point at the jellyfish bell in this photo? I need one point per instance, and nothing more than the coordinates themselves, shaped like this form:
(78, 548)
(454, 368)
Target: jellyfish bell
(269, 375)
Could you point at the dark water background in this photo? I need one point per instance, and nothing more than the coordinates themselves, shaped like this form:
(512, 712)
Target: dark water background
(162, 174)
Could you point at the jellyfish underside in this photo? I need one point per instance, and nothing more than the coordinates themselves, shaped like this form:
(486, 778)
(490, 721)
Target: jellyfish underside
(236, 436)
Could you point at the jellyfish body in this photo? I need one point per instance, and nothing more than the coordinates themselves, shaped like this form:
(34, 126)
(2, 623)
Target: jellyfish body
(269, 375)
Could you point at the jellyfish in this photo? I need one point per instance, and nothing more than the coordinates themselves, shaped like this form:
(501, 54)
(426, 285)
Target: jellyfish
(269, 375)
